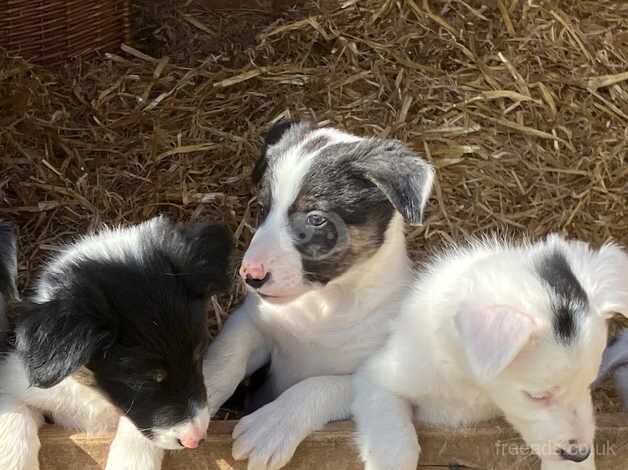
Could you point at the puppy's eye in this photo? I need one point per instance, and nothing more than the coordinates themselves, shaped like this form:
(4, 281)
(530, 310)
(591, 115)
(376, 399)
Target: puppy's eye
(159, 376)
(538, 396)
(316, 219)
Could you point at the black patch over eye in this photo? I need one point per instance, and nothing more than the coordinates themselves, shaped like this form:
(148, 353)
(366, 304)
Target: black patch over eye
(160, 376)
(316, 219)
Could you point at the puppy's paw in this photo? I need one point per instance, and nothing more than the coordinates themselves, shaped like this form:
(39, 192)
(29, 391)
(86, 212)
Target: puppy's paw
(130, 450)
(268, 437)
(19, 442)
(401, 453)
(132, 459)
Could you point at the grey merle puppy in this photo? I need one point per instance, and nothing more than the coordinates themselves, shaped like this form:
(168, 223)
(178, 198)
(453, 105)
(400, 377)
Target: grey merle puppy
(325, 271)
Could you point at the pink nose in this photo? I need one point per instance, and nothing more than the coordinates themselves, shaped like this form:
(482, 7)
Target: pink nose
(252, 270)
(192, 438)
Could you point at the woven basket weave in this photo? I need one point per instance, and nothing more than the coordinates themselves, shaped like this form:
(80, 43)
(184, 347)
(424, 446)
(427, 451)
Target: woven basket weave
(51, 31)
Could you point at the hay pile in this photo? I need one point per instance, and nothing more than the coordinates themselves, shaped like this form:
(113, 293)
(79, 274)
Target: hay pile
(521, 106)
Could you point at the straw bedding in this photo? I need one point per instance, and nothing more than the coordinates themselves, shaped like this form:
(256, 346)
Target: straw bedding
(521, 106)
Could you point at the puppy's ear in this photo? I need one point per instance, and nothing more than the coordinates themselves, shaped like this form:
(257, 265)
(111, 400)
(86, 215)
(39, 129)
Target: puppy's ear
(492, 338)
(272, 137)
(404, 177)
(57, 337)
(8, 261)
(609, 273)
(207, 266)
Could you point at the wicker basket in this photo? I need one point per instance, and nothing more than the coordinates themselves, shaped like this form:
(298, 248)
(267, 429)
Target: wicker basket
(51, 31)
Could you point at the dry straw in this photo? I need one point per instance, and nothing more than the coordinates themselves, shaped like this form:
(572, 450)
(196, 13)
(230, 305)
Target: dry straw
(521, 106)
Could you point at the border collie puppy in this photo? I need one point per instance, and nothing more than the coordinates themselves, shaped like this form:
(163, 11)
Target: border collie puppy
(115, 335)
(615, 363)
(325, 272)
(8, 272)
(495, 329)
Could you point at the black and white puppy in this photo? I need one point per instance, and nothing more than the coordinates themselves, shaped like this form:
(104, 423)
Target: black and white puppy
(114, 336)
(495, 328)
(325, 270)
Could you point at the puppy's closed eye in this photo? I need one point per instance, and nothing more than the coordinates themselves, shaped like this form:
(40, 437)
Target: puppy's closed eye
(539, 397)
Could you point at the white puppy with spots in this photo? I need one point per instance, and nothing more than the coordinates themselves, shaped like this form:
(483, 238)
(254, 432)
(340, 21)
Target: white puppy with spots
(326, 271)
(495, 329)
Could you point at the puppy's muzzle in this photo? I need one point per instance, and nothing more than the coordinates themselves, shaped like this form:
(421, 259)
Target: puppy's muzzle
(575, 452)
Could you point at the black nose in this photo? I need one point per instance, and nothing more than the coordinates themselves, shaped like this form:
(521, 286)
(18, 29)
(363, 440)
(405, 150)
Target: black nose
(256, 283)
(575, 452)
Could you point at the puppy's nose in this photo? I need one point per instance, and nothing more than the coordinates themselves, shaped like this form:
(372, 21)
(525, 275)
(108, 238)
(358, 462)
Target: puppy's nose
(575, 452)
(192, 438)
(254, 274)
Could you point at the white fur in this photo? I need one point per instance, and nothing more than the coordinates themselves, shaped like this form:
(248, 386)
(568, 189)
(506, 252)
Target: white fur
(70, 403)
(474, 335)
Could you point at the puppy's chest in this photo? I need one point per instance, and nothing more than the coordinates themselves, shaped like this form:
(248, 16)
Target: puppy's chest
(313, 343)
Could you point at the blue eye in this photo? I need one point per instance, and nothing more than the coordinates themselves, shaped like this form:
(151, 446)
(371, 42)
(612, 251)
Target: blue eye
(315, 219)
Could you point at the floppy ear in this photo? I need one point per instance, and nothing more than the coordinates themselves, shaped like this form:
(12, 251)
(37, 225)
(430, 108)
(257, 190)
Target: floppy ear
(208, 262)
(272, 137)
(492, 338)
(404, 177)
(57, 337)
(609, 290)
(8, 261)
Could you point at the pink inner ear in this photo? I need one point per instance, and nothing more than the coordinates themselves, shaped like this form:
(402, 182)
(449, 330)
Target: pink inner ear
(492, 337)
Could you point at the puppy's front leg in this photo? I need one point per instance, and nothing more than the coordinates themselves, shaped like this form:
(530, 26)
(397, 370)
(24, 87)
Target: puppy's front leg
(588, 464)
(19, 442)
(238, 350)
(269, 436)
(386, 435)
(131, 450)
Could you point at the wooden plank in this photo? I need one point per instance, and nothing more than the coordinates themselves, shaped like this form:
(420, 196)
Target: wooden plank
(493, 445)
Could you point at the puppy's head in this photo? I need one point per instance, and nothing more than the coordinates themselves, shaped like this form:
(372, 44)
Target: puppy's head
(125, 312)
(327, 200)
(8, 271)
(536, 338)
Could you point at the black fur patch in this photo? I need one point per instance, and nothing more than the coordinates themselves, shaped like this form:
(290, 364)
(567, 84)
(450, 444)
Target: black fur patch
(568, 299)
(130, 320)
(273, 136)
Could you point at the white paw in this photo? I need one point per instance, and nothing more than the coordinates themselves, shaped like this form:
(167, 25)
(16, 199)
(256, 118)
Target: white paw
(19, 442)
(133, 460)
(402, 453)
(130, 450)
(268, 437)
